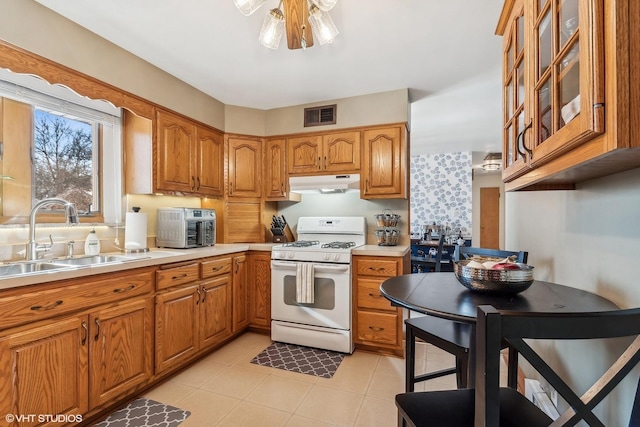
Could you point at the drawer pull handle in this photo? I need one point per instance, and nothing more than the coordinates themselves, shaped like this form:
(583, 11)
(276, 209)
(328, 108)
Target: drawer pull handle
(376, 269)
(85, 332)
(97, 337)
(120, 290)
(375, 295)
(47, 307)
(216, 268)
(182, 276)
(376, 328)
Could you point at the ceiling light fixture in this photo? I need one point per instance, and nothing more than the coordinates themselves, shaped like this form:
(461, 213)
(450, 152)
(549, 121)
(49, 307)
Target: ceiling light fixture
(301, 18)
(492, 162)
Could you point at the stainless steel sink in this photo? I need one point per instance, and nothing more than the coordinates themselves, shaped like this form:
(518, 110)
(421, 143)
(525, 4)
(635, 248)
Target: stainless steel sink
(93, 260)
(19, 268)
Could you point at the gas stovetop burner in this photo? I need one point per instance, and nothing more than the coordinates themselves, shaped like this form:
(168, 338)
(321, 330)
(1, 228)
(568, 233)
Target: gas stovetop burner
(302, 243)
(338, 245)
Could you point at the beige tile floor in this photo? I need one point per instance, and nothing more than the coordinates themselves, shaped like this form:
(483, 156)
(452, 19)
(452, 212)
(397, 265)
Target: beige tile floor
(225, 389)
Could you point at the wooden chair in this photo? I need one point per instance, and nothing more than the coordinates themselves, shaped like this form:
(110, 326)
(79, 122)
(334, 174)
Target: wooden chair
(490, 405)
(450, 336)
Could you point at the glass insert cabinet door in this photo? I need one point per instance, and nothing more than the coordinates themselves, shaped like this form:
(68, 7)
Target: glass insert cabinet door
(567, 76)
(514, 94)
(553, 80)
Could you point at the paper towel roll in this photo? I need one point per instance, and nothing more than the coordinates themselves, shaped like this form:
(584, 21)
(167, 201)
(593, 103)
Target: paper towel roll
(135, 231)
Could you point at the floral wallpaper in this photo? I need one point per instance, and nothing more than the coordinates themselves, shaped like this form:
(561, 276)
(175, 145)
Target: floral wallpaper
(441, 191)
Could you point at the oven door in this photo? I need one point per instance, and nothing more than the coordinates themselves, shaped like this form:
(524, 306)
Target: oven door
(332, 295)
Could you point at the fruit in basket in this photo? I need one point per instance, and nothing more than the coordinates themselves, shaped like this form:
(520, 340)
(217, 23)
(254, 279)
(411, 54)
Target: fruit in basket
(506, 266)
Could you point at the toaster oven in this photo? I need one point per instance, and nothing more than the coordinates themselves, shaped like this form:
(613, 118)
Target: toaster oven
(185, 228)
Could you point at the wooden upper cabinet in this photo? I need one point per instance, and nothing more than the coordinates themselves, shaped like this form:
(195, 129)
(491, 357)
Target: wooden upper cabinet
(245, 166)
(304, 154)
(190, 157)
(566, 72)
(328, 153)
(384, 171)
(560, 59)
(176, 146)
(515, 113)
(210, 162)
(341, 152)
(276, 183)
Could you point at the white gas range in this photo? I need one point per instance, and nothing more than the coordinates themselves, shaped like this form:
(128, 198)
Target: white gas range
(311, 283)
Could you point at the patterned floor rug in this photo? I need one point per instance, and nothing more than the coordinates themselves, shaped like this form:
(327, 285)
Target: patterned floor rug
(305, 360)
(143, 413)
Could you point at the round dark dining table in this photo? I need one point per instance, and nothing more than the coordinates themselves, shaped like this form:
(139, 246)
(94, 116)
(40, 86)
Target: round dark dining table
(441, 295)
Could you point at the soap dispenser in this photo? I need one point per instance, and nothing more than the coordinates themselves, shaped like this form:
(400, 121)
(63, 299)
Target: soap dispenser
(92, 243)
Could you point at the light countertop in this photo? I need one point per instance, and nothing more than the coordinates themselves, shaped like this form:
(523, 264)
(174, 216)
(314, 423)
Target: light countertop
(158, 256)
(375, 250)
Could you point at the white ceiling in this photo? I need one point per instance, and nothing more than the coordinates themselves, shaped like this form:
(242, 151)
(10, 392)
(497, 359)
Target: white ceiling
(444, 51)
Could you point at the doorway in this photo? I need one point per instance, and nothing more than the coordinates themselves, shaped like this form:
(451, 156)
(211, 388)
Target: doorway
(490, 217)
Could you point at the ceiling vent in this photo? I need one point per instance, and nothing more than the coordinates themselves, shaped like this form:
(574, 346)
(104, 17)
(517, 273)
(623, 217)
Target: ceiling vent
(319, 116)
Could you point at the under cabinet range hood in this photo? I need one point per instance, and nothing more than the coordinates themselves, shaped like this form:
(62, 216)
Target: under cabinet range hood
(324, 183)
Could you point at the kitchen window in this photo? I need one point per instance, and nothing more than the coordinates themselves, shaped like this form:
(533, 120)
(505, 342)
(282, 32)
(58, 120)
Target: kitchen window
(56, 143)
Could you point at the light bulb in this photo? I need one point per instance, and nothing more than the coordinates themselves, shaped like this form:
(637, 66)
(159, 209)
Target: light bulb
(272, 29)
(322, 25)
(247, 7)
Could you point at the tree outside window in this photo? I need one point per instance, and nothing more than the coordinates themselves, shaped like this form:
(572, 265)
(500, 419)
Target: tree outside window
(63, 159)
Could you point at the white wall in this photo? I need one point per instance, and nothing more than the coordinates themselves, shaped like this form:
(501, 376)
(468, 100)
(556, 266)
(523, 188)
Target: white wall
(588, 238)
(347, 204)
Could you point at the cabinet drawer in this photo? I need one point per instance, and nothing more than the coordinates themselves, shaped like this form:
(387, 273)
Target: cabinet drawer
(369, 295)
(177, 275)
(78, 295)
(377, 267)
(377, 327)
(215, 267)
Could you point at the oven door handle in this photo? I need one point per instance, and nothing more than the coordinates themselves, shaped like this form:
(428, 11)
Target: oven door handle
(332, 268)
(284, 264)
(292, 265)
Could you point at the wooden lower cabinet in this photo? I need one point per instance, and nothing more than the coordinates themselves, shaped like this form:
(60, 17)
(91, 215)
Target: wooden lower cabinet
(44, 370)
(73, 365)
(120, 349)
(94, 342)
(177, 323)
(215, 311)
(240, 294)
(377, 324)
(195, 316)
(259, 284)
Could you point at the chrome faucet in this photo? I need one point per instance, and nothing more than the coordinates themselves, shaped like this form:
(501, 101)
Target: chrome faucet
(32, 246)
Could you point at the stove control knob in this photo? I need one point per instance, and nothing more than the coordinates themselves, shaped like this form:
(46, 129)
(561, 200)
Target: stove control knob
(326, 257)
(292, 254)
(279, 255)
(336, 257)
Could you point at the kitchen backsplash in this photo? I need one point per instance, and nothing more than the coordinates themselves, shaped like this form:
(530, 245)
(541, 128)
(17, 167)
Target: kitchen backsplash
(441, 191)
